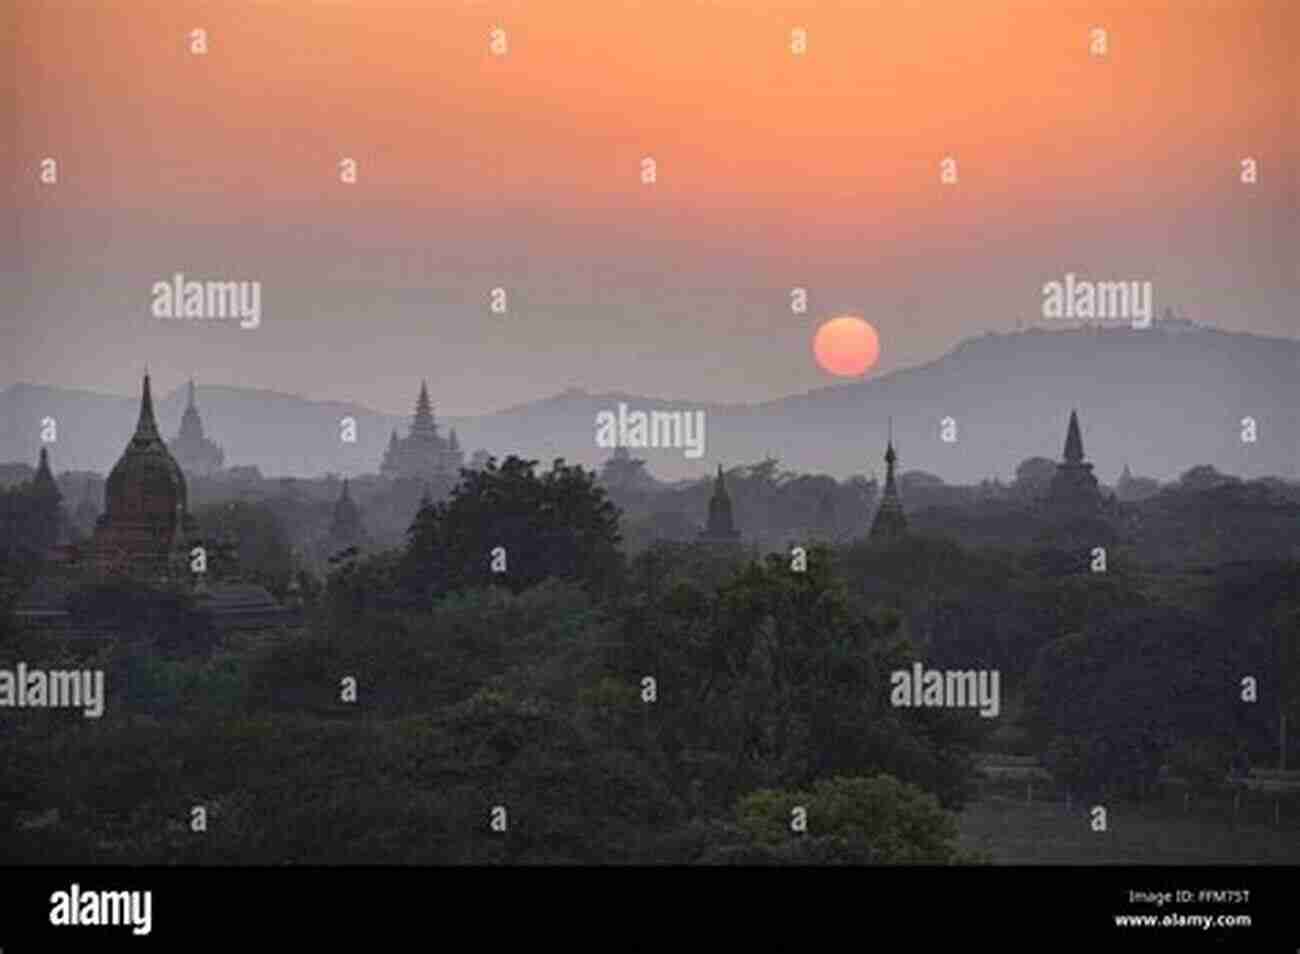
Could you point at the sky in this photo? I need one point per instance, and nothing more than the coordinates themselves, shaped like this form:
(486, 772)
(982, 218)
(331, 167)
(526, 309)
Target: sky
(774, 170)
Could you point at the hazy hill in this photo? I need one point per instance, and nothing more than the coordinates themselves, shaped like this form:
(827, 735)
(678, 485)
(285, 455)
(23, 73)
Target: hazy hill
(1162, 400)
(279, 433)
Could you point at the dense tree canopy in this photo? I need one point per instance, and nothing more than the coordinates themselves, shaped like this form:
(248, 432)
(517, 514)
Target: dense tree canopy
(674, 708)
(508, 525)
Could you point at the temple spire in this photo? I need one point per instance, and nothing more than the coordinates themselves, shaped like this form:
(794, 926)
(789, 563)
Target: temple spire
(195, 453)
(890, 458)
(423, 425)
(721, 527)
(146, 524)
(147, 425)
(44, 482)
(1074, 491)
(423, 452)
(345, 528)
(890, 522)
(1074, 441)
(191, 431)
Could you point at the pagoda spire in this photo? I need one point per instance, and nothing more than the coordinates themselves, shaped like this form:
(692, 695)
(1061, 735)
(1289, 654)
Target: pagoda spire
(346, 529)
(147, 426)
(423, 424)
(48, 525)
(890, 459)
(720, 495)
(44, 482)
(890, 522)
(1074, 491)
(1074, 441)
(191, 424)
(193, 451)
(721, 527)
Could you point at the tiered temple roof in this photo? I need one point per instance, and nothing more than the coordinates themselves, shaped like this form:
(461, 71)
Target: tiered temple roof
(423, 453)
(196, 454)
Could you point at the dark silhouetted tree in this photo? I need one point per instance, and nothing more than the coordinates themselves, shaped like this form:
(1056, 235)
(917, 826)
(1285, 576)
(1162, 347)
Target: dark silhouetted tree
(559, 524)
(1033, 478)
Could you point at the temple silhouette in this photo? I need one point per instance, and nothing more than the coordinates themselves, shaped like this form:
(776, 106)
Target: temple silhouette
(346, 529)
(194, 452)
(146, 527)
(145, 534)
(890, 523)
(423, 453)
(1074, 491)
(721, 528)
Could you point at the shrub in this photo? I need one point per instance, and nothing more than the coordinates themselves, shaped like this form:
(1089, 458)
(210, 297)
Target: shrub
(877, 820)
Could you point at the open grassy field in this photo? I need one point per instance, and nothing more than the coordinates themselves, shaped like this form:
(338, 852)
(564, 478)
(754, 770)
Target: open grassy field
(1008, 829)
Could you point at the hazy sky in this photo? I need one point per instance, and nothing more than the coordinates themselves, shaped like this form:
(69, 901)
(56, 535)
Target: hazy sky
(523, 171)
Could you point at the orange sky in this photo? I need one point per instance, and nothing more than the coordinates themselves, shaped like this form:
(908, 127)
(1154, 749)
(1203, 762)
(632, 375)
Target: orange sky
(829, 159)
(710, 88)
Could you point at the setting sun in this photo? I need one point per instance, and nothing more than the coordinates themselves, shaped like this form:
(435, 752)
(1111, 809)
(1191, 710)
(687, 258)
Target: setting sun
(846, 346)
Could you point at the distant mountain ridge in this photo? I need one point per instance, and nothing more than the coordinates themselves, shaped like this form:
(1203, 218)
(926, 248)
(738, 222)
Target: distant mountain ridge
(1160, 400)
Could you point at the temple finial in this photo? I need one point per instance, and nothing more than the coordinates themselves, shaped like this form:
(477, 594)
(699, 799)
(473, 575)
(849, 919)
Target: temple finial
(147, 425)
(1073, 439)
